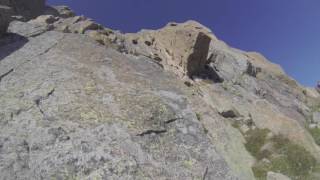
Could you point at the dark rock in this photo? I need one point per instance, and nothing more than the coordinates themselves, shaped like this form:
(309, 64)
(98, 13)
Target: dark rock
(5, 17)
(252, 70)
(231, 113)
(197, 60)
(28, 9)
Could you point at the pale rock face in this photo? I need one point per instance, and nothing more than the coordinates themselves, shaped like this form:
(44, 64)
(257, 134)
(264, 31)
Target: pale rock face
(316, 117)
(44, 19)
(312, 92)
(228, 63)
(259, 60)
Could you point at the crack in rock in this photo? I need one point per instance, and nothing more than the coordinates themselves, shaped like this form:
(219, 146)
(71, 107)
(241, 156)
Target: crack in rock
(6, 74)
(159, 131)
(39, 99)
(205, 174)
(48, 49)
(152, 132)
(172, 120)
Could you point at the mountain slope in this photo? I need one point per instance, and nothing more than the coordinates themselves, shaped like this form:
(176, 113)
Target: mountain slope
(81, 101)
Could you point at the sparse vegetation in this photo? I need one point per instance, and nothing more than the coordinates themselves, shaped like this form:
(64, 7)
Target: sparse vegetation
(278, 154)
(256, 138)
(315, 132)
(198, 116)
(236, 125)
(285, 157)
(315, 107)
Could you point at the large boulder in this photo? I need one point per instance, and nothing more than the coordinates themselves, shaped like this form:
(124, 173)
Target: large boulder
(25, 9)
(180, 48)
(228, 63)
(276, 176)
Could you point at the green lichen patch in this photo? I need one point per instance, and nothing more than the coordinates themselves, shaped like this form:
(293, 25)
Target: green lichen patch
(283, 156)
(255, 139)
(315, 133)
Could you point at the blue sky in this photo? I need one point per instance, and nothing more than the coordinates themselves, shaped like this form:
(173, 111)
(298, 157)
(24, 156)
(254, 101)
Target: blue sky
(287, 32)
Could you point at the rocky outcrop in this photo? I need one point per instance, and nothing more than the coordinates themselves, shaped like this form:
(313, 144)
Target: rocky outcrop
(81, 101)
(180, 48)
(83, 112)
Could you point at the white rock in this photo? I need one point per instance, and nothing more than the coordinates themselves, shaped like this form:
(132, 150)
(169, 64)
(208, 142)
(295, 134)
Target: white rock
(276, 176)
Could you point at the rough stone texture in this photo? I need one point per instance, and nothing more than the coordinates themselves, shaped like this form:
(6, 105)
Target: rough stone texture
(180, 48)
(276, 176)
(26, 29)
(80, 101)
(228, 63)
(259, 60)
(44, 20)
(73, 109)
(28, 9)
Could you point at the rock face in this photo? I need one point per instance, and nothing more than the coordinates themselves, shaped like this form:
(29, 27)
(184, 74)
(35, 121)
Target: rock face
(181, 48)
(81, 101)
(87, 114)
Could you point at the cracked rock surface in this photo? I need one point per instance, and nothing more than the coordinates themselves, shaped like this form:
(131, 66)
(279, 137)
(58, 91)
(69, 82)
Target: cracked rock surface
(73, 108)
(81, 101)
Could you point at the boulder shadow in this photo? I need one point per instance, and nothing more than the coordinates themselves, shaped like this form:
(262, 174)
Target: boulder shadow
(10, 43)
(198, 64)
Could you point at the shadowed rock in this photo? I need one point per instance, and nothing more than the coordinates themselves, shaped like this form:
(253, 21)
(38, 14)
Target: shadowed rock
(198, 58)
(27, 9)
(5, 13)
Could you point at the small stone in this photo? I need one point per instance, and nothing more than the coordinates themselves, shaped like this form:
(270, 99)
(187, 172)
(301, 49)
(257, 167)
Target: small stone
(230, 113)
(265, 160)
(269, 135)
(276, 176)
(313, 126)
(316, 117)
(188, 83)
(244, 128)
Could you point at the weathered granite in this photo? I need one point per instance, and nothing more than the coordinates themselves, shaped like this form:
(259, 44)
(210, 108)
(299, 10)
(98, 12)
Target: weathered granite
(72, 108)
(81, 101)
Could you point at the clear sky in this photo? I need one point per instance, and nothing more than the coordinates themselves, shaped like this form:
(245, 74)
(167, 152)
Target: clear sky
(287, 32)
